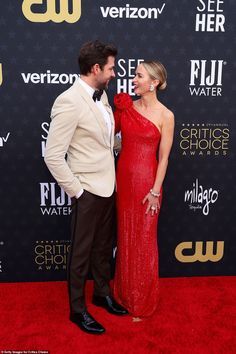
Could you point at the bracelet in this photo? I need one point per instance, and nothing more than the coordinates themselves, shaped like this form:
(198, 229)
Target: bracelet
(154, 194)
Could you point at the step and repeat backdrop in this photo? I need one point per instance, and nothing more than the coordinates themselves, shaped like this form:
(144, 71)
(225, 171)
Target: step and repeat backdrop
(195, 40)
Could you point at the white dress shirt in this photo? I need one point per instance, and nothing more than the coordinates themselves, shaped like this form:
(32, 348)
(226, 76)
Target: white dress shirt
(102, 109)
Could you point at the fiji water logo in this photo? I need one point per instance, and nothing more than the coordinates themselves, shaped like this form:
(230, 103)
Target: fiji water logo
(54, 200)
(206, 77)
(200, 198)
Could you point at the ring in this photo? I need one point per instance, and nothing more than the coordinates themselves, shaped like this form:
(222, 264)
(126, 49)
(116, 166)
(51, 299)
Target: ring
(153, 207)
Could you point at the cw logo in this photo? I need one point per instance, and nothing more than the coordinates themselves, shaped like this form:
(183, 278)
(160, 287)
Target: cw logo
(1, 79)
(198, 254)
(51, 13)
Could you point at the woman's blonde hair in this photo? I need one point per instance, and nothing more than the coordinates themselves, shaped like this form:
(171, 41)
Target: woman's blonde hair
(156, 71)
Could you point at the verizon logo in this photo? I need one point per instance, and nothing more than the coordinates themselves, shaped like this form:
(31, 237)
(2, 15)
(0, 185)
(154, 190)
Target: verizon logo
(132, 12)
(48, 78)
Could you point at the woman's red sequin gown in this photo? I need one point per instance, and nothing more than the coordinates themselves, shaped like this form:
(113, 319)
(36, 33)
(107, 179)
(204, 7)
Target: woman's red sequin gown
(136, 278)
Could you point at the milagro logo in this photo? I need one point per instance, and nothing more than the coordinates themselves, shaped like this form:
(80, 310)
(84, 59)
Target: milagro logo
(206, 77)
(209, 17)
(199, 198)
(47, 10)
(125, 74)
(49, 78)
(54, 200)
(131, 12)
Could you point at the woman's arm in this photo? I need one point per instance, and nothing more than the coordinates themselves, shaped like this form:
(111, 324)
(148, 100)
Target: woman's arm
(117, 139)
(167, 134)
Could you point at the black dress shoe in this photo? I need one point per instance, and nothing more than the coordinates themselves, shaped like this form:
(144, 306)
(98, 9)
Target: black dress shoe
(87, 323)
(108, 303)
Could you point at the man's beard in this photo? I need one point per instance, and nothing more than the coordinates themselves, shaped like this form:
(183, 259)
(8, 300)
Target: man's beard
(103, 85)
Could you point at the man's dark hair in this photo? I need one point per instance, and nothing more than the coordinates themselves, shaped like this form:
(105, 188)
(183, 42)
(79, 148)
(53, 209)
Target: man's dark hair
(94, 52)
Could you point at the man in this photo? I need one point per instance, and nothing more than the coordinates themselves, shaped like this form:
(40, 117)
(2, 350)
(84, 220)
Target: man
(82, 127)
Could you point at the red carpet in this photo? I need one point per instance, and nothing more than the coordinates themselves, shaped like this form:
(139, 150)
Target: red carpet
(195, 315)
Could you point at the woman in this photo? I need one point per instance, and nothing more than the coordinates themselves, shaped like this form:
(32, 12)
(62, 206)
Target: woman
(147, 128)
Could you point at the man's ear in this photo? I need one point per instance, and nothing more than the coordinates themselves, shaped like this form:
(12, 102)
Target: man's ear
(95, 68)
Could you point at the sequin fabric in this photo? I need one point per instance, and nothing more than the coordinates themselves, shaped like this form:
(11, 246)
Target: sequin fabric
(136, 277)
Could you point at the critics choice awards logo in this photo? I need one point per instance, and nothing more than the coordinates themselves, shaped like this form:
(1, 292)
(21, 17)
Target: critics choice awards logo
(204, 139)
(210, 16)
(51, 255)
(52, 10)
(199, 198)
(206, 77)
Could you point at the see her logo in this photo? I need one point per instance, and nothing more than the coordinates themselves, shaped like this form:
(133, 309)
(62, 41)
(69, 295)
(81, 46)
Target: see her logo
(210, 17)
(38, 11)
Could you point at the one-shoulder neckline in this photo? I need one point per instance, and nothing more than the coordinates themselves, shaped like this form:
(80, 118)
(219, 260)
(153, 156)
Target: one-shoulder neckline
(146, 119)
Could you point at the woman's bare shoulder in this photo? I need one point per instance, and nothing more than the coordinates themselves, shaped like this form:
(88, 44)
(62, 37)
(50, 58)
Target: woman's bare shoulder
(168, 114)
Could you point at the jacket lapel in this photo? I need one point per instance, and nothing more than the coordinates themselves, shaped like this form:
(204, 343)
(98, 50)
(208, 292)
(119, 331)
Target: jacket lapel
(97, 113)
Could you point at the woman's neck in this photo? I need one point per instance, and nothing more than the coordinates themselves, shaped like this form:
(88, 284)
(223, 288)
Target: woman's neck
(148, 100)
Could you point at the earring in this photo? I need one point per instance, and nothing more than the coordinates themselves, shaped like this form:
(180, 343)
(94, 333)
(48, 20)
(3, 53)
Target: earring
(151, 88)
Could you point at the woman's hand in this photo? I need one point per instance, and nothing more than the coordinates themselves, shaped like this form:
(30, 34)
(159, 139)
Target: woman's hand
(153, 204)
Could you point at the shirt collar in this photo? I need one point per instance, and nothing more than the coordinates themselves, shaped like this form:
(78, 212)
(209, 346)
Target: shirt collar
(88, 88)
